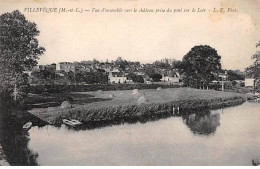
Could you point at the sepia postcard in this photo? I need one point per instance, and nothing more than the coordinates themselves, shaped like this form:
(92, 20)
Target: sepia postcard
(129, 83)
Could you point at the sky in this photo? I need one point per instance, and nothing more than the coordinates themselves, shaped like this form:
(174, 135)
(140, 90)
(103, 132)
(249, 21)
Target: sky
(143, 36)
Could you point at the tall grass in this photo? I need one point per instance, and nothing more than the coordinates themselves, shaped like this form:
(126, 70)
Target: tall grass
(109, 113)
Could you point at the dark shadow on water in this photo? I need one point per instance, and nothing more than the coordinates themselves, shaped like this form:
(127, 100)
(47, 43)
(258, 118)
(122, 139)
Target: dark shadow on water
(14, 140)
(203, 123)
(90, 125)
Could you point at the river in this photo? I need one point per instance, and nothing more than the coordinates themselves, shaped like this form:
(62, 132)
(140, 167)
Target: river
(229, 136)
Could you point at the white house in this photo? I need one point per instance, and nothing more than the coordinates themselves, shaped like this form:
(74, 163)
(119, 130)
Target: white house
(116, 77)
(171, 77)
(249, 82)
(223, 76)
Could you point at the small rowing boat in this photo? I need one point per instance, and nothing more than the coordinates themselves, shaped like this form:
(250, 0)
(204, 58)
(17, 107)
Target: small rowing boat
(71, 122)
(27, 126)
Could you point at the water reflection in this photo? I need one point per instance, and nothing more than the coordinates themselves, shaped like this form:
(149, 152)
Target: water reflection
(157, 142)
(90, 125)
(203, 123)
(14, 140)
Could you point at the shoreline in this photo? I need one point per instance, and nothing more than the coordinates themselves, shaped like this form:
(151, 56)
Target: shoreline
(126, 106)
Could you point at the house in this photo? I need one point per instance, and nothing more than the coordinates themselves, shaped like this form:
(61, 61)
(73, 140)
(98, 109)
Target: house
(168, 61)
(249, 82)
(223, 76)
(171, 77)
(129, 78)
(66, 66)
(116, 77)
(51, 67)
(82, 68)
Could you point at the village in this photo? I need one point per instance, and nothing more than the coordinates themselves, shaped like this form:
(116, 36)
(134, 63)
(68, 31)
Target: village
(165, 72)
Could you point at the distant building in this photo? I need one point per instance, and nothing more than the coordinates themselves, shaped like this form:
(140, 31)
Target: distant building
(168, 61)
(51, 67)
(171, 77)
(116, 77)
(66, 66)
(249, 82)
(223, 76)
(82, 68)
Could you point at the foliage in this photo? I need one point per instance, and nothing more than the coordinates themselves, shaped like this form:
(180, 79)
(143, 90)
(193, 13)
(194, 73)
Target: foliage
(254, 69)
(19, 49)
(149, 69)
(135, 78)
(74, 77)
(139, 79)
(120, 63)
(91, 77)
(161, 65)
(94, 87)
(155, 76)
(177, 65)
(44, 74)
(233, 75)
(200, 65)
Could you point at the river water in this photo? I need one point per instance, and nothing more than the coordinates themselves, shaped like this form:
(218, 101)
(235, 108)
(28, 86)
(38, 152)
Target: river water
(229, 136)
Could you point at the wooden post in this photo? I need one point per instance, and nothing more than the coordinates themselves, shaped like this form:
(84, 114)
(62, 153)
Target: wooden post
(222, 85)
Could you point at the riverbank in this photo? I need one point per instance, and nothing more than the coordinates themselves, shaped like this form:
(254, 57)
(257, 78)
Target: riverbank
(129, 104)
(228, 137)
(3, 161)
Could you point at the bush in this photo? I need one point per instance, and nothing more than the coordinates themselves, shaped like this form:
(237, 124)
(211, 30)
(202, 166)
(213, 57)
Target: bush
(216, 86)
(94, 87)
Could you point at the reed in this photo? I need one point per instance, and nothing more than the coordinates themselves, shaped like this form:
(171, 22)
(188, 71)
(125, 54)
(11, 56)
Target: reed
(86, 113)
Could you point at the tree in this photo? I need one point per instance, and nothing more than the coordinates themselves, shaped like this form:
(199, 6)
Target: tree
(139, 79)
(159, 64)
(200, 64)
(19, 49)
(156, 77)
(254, 69)
(135, 78)
(177, 64)
(88, 77)
(233, 75)
(121, 64)
(119, 59)
(149, 69)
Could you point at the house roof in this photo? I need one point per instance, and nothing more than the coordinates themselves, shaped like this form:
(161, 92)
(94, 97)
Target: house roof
(118, 74)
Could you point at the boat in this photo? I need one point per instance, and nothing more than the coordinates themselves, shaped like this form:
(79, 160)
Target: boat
(27, 126)
(71, 122)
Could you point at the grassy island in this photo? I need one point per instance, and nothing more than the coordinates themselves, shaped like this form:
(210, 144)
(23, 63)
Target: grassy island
(110, 105)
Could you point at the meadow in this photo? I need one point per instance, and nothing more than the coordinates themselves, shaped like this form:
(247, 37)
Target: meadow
(124, 104)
